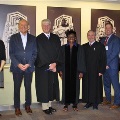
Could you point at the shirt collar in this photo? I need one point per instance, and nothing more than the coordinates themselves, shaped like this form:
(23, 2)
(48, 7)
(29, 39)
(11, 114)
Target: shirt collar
(46, 34)
(23, 34)
(91, 43)
(75, 44)
(109, 36)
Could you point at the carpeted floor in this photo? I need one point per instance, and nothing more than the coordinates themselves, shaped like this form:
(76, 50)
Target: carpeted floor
(103, 113)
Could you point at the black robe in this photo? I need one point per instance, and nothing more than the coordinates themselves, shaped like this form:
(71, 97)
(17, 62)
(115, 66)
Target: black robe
(95, 58)
(70, 81)
(48, 51)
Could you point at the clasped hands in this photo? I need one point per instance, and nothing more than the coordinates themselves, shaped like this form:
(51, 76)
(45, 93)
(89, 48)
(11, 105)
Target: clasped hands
(23, 67)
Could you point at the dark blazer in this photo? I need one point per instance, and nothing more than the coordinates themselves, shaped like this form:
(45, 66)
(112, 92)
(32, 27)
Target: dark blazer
(2, 51)
(113, 51)
(19, 55)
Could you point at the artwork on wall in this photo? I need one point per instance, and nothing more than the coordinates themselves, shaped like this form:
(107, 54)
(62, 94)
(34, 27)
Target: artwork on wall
(99, 17)
(9, 19)
(64, 19)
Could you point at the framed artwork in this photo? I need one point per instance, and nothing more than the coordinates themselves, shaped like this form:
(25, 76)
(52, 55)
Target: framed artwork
(64, 19)
(9, 19)
(101, 16)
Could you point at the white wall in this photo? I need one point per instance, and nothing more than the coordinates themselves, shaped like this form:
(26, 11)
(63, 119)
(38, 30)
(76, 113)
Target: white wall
(6, 94)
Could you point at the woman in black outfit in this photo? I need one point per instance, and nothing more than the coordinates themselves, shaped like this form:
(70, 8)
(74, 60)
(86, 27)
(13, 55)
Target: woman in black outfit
(69, 73)
(2, 62)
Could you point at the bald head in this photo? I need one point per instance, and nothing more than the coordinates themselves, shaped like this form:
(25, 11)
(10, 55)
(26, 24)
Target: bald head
(23, 26)
(91, 36)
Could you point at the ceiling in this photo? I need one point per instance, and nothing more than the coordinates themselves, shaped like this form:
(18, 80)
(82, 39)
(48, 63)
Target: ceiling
(110, 1)
(107, 1)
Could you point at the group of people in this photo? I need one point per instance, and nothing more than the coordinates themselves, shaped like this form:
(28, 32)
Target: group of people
(87, 62)
(42, 54)
(72, 61)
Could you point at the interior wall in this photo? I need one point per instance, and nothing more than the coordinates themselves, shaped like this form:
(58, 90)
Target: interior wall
(6, 94)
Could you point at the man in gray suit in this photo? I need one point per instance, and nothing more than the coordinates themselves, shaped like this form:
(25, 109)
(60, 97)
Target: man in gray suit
(23, 53)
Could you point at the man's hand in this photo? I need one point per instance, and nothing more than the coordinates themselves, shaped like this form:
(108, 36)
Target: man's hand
(52, 66)
(23, 67)
(107, 67)
(26, 66)
(100, 74)
(80, 75)
(54, 70)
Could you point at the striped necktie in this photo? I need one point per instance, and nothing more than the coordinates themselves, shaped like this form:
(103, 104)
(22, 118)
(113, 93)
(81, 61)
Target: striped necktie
(106, 41)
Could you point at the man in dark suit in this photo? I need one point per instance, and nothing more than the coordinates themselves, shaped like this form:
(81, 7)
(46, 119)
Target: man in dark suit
(111, 76)
(23, 53)
(47, 62)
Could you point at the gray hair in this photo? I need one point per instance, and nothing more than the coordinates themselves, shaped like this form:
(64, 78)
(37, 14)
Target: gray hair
(46, 20)
(92, 31)
(23, 20)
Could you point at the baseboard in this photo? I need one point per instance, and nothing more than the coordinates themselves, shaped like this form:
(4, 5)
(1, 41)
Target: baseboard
(33, 105)
(22, 106)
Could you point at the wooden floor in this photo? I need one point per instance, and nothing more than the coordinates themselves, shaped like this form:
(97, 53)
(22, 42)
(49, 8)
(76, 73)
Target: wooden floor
(103, 113)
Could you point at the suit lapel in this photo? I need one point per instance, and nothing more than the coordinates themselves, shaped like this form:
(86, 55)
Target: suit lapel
(110, 39)
(19, 41)
(28, 42)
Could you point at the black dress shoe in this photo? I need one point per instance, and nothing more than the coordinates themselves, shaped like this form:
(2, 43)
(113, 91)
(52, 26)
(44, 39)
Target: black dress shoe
(88, 105)
(0, 115)
(47, 111)
(95, 106)
(52, 109)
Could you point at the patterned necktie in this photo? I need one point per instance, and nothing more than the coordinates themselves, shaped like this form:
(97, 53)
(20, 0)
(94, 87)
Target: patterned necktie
(106, 40)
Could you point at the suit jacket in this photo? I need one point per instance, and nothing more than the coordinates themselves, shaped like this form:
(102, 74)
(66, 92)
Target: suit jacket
(113, 51)
(20, 55)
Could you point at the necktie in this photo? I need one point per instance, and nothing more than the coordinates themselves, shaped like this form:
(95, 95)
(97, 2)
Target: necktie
(48, 36)
(106, 40)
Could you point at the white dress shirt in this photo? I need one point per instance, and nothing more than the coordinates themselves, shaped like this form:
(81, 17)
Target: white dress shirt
(47, 35)
(24, 39)
(91, 43)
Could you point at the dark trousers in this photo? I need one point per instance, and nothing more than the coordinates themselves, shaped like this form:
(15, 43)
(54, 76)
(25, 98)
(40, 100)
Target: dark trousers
(111, 77)
(18, 77)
